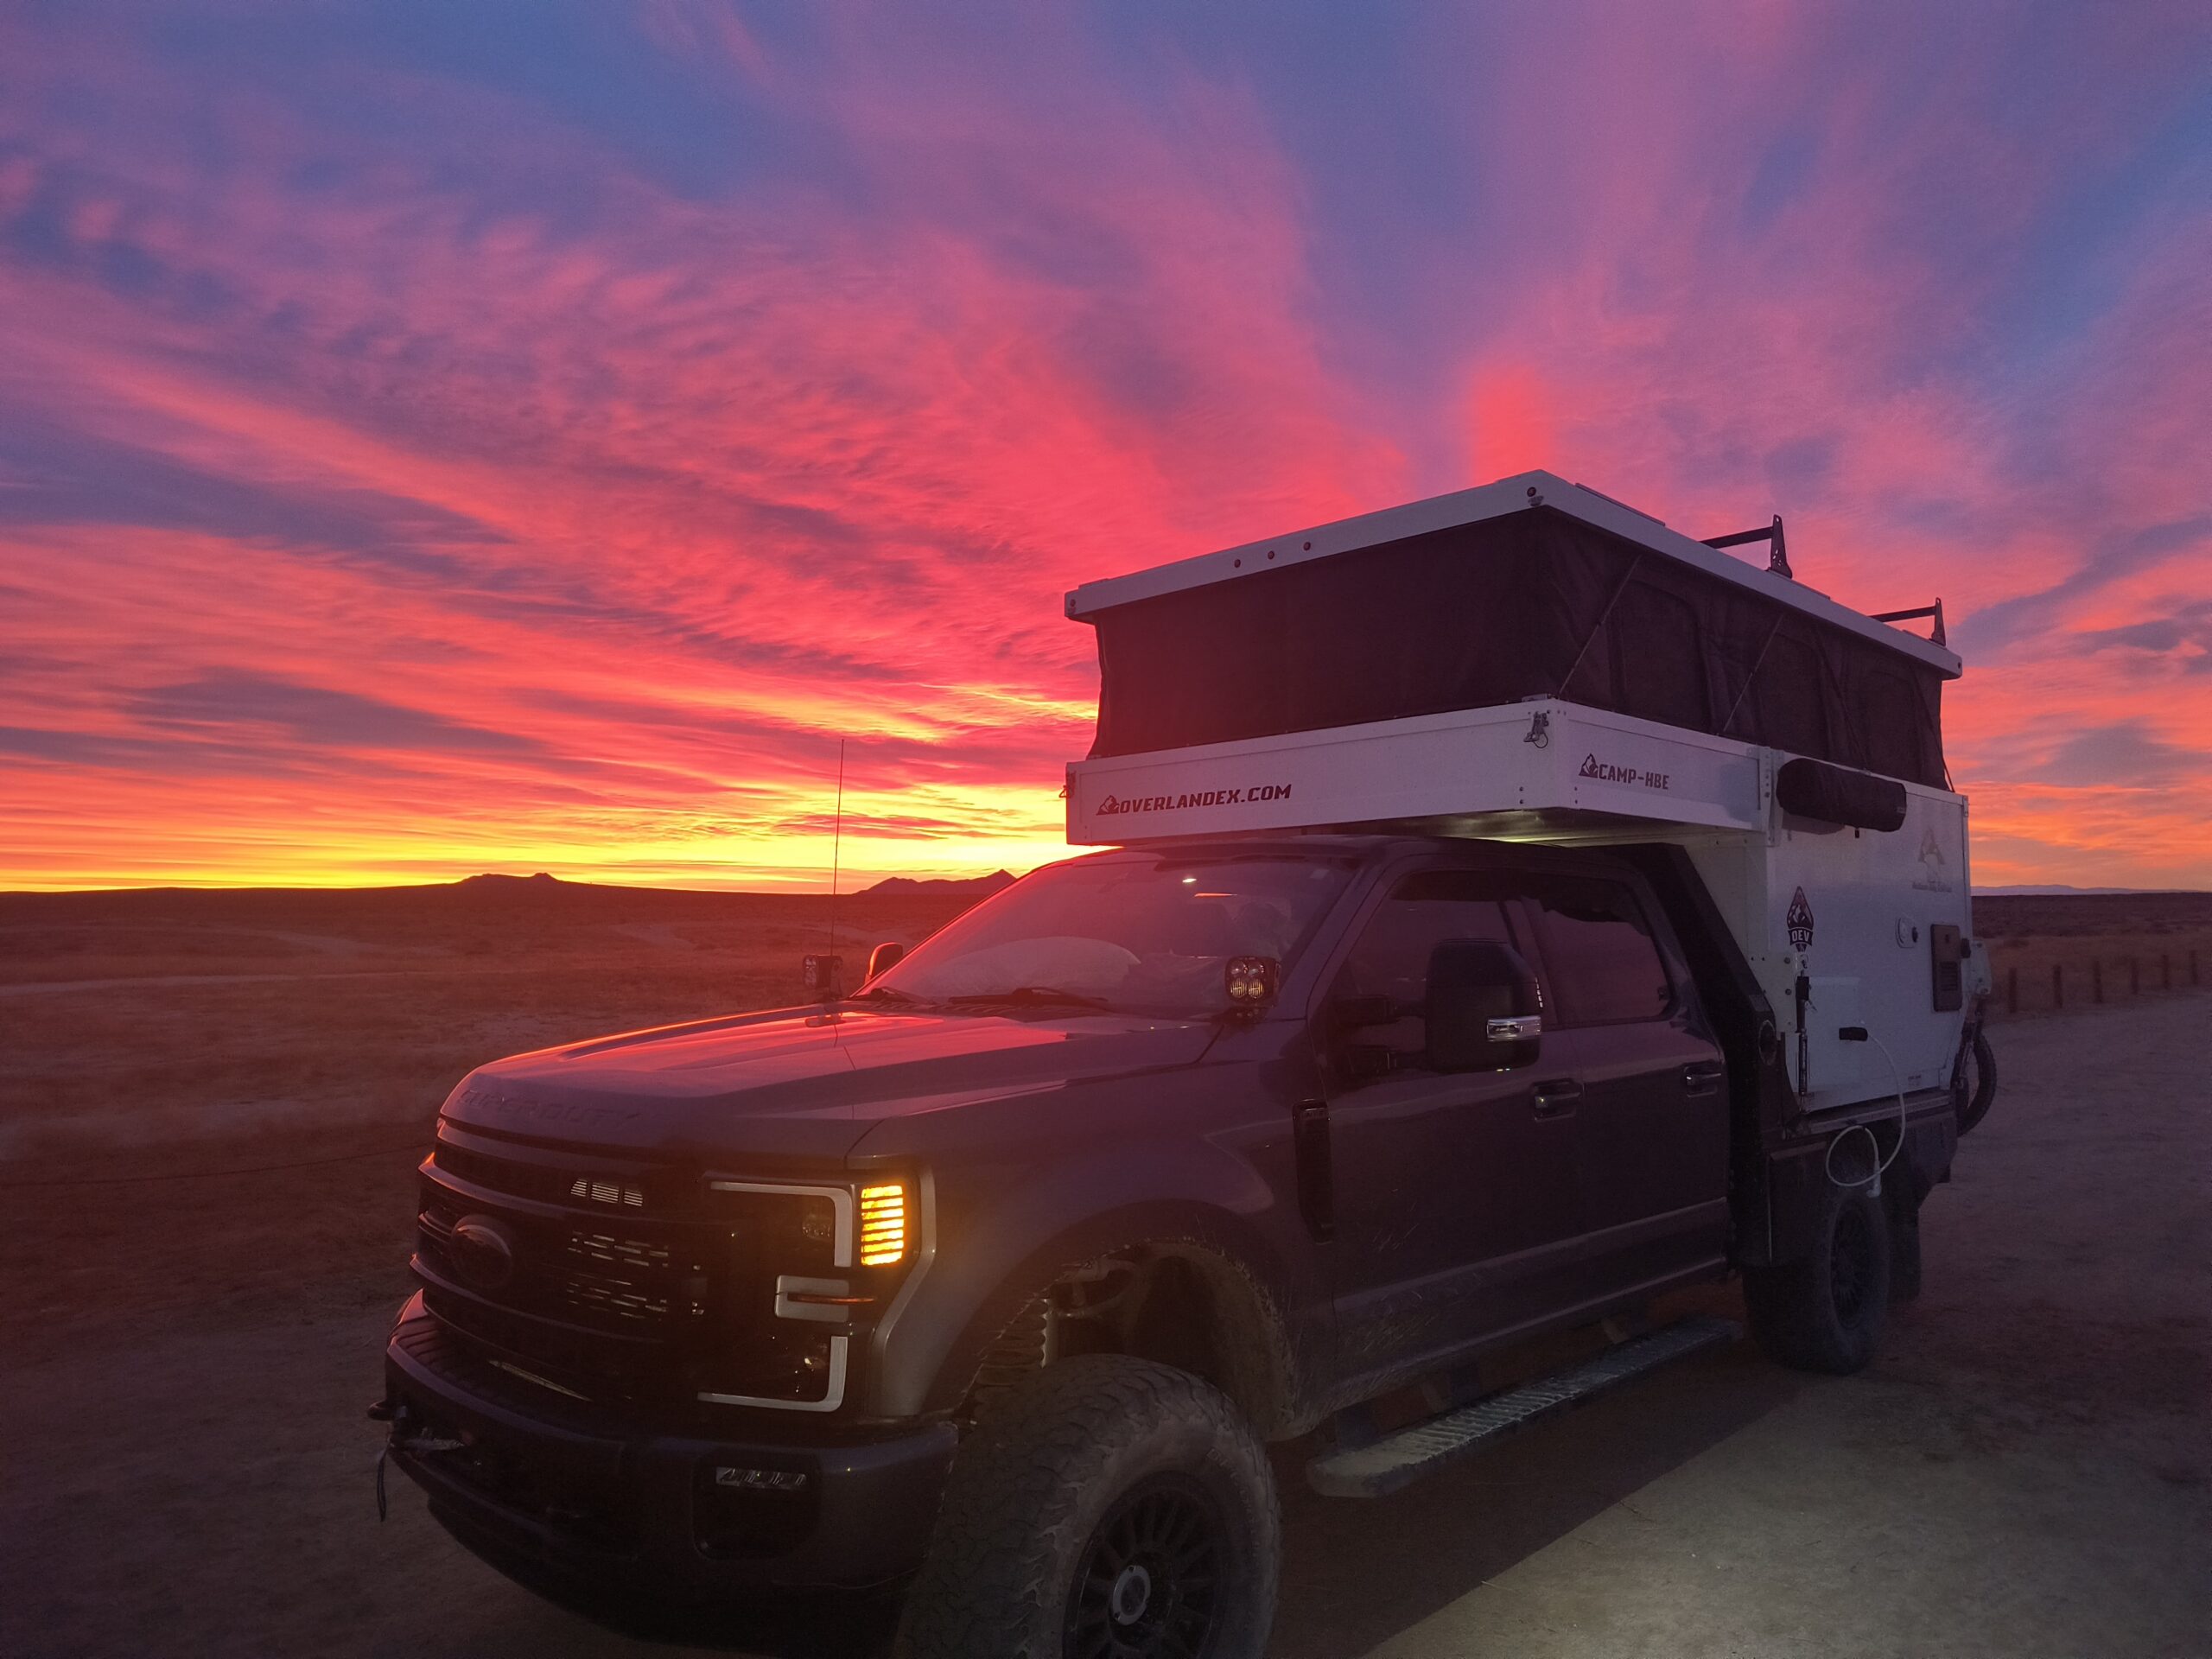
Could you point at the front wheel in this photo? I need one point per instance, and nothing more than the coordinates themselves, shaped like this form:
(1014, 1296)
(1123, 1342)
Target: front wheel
(1108, 1508)
(1827, 1311)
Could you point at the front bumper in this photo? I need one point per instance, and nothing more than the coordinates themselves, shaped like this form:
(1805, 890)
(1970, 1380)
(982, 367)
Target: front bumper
(538, 1486)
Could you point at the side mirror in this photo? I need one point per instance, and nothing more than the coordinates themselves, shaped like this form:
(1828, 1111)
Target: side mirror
(885, 957)
(824, 978)
(1484, 1010)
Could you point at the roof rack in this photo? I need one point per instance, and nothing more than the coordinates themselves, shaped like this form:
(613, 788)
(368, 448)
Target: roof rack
(1777, 558)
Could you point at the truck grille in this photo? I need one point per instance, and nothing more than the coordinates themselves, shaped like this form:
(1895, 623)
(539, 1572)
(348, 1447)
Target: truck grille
(604, 1296)
(624, 1278)
(535, 1260)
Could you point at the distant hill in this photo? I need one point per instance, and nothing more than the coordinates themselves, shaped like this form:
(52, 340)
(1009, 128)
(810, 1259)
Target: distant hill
(2063, 891)
(975, 886)
(488, 899)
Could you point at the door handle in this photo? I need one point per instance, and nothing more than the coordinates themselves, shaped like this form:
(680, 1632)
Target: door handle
(1701, 1077)
(1556, 1096)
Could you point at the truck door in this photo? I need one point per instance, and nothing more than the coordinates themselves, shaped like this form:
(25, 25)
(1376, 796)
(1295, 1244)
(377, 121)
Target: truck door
(1452, 1191)
(1651, 1121)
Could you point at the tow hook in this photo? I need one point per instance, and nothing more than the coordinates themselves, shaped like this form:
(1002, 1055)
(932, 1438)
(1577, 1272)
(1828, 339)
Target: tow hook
(395, 1412)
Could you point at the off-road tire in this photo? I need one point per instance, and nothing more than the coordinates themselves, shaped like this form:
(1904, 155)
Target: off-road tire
(1976, 1105)
(1825, 1311)
(1056, 1468)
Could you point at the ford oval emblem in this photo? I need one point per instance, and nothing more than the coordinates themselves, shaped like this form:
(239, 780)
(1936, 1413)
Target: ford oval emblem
(483, 1252)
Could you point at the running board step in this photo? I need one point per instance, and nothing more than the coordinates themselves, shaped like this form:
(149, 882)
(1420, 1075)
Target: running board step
(1400, 1459)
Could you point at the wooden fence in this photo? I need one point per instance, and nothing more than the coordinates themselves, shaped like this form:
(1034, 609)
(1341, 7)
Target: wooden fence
(2094, 981)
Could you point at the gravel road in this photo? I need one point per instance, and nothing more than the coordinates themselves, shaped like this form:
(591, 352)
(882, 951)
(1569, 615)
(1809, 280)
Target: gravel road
(2026, 1472)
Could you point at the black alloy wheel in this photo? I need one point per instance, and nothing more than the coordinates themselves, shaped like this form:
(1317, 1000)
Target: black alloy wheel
(1825, 1310)
(1106, 1507)
(1852, 1264)
(1149, 1584)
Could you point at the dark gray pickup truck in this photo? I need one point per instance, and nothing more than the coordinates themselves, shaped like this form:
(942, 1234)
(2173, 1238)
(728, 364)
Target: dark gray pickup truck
(987, 1282)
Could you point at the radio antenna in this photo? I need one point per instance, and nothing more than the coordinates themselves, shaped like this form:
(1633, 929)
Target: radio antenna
(837, 845)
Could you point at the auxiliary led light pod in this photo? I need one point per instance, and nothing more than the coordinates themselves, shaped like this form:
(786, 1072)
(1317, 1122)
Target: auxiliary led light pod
(1252, 980)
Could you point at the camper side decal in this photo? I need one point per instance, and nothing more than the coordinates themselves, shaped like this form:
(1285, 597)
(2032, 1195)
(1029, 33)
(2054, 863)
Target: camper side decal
(1606, 771)
(1114, 806)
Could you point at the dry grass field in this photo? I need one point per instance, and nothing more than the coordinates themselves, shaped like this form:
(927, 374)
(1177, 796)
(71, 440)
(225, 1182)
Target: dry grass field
(2105, 948)
(131, 1021)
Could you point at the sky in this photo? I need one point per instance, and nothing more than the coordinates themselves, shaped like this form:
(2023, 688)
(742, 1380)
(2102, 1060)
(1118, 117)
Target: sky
(540, 436)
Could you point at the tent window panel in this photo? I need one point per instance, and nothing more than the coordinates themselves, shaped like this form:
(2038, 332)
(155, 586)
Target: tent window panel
(1593, 683)
(1889, 723)
(1660, 657)
(1792, 698)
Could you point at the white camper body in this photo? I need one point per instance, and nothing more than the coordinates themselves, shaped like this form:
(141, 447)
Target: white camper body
(1867, 917)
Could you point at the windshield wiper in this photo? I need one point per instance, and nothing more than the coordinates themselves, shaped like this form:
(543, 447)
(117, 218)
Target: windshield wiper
(1040, 996)
(887, 992)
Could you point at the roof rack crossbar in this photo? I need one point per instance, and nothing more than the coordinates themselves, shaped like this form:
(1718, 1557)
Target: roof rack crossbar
(1934, 611)
(1777, 559)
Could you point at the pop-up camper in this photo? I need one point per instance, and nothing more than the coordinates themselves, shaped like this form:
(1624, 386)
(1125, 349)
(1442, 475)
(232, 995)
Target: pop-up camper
(1532, 661)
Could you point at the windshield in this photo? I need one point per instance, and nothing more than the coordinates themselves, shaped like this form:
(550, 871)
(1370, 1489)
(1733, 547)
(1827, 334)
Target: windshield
(1137, 935)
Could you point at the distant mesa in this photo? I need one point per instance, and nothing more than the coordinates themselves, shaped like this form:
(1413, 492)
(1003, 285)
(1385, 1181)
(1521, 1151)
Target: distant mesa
(493, 879)
(975, 886)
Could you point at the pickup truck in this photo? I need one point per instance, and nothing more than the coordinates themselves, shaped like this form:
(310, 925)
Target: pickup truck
(989, 1281)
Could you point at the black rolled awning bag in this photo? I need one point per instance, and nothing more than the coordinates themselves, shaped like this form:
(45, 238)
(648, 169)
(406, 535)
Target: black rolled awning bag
(1813, 789)
(1532, 604)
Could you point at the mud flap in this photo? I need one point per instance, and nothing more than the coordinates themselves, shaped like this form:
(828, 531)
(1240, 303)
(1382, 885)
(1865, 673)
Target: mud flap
(1903, 1209)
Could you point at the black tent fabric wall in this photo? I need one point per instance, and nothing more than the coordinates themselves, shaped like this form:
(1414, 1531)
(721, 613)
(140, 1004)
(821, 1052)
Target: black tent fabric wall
(1532, 604)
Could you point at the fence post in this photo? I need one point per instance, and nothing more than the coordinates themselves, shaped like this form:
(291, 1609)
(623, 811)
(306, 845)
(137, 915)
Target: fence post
(2134, 977)
(2057, 985)
(2096, 979)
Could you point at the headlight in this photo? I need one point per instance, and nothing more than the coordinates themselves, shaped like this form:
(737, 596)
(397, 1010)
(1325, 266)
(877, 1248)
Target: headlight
(808, 1264)
(883, 1225)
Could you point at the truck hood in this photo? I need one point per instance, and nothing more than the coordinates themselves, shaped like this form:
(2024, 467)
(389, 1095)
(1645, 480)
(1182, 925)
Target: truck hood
(801, 1083)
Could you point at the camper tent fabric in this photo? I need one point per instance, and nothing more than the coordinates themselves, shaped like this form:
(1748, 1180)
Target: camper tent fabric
(1532, 604)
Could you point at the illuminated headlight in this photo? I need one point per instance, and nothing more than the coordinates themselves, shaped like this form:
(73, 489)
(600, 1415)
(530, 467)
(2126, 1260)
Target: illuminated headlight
(883, 1225)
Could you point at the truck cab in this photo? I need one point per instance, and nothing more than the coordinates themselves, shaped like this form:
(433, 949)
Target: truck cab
(989, 1279)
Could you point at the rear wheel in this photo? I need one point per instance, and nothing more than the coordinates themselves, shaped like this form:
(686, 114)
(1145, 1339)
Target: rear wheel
(1827, 1311)
(1109, 1508)
(1977, 1085)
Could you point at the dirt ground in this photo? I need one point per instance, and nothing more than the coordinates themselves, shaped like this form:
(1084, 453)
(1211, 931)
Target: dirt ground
(2027, 1470)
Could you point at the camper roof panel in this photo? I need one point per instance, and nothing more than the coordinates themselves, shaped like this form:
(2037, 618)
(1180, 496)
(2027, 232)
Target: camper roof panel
(1473, 506)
